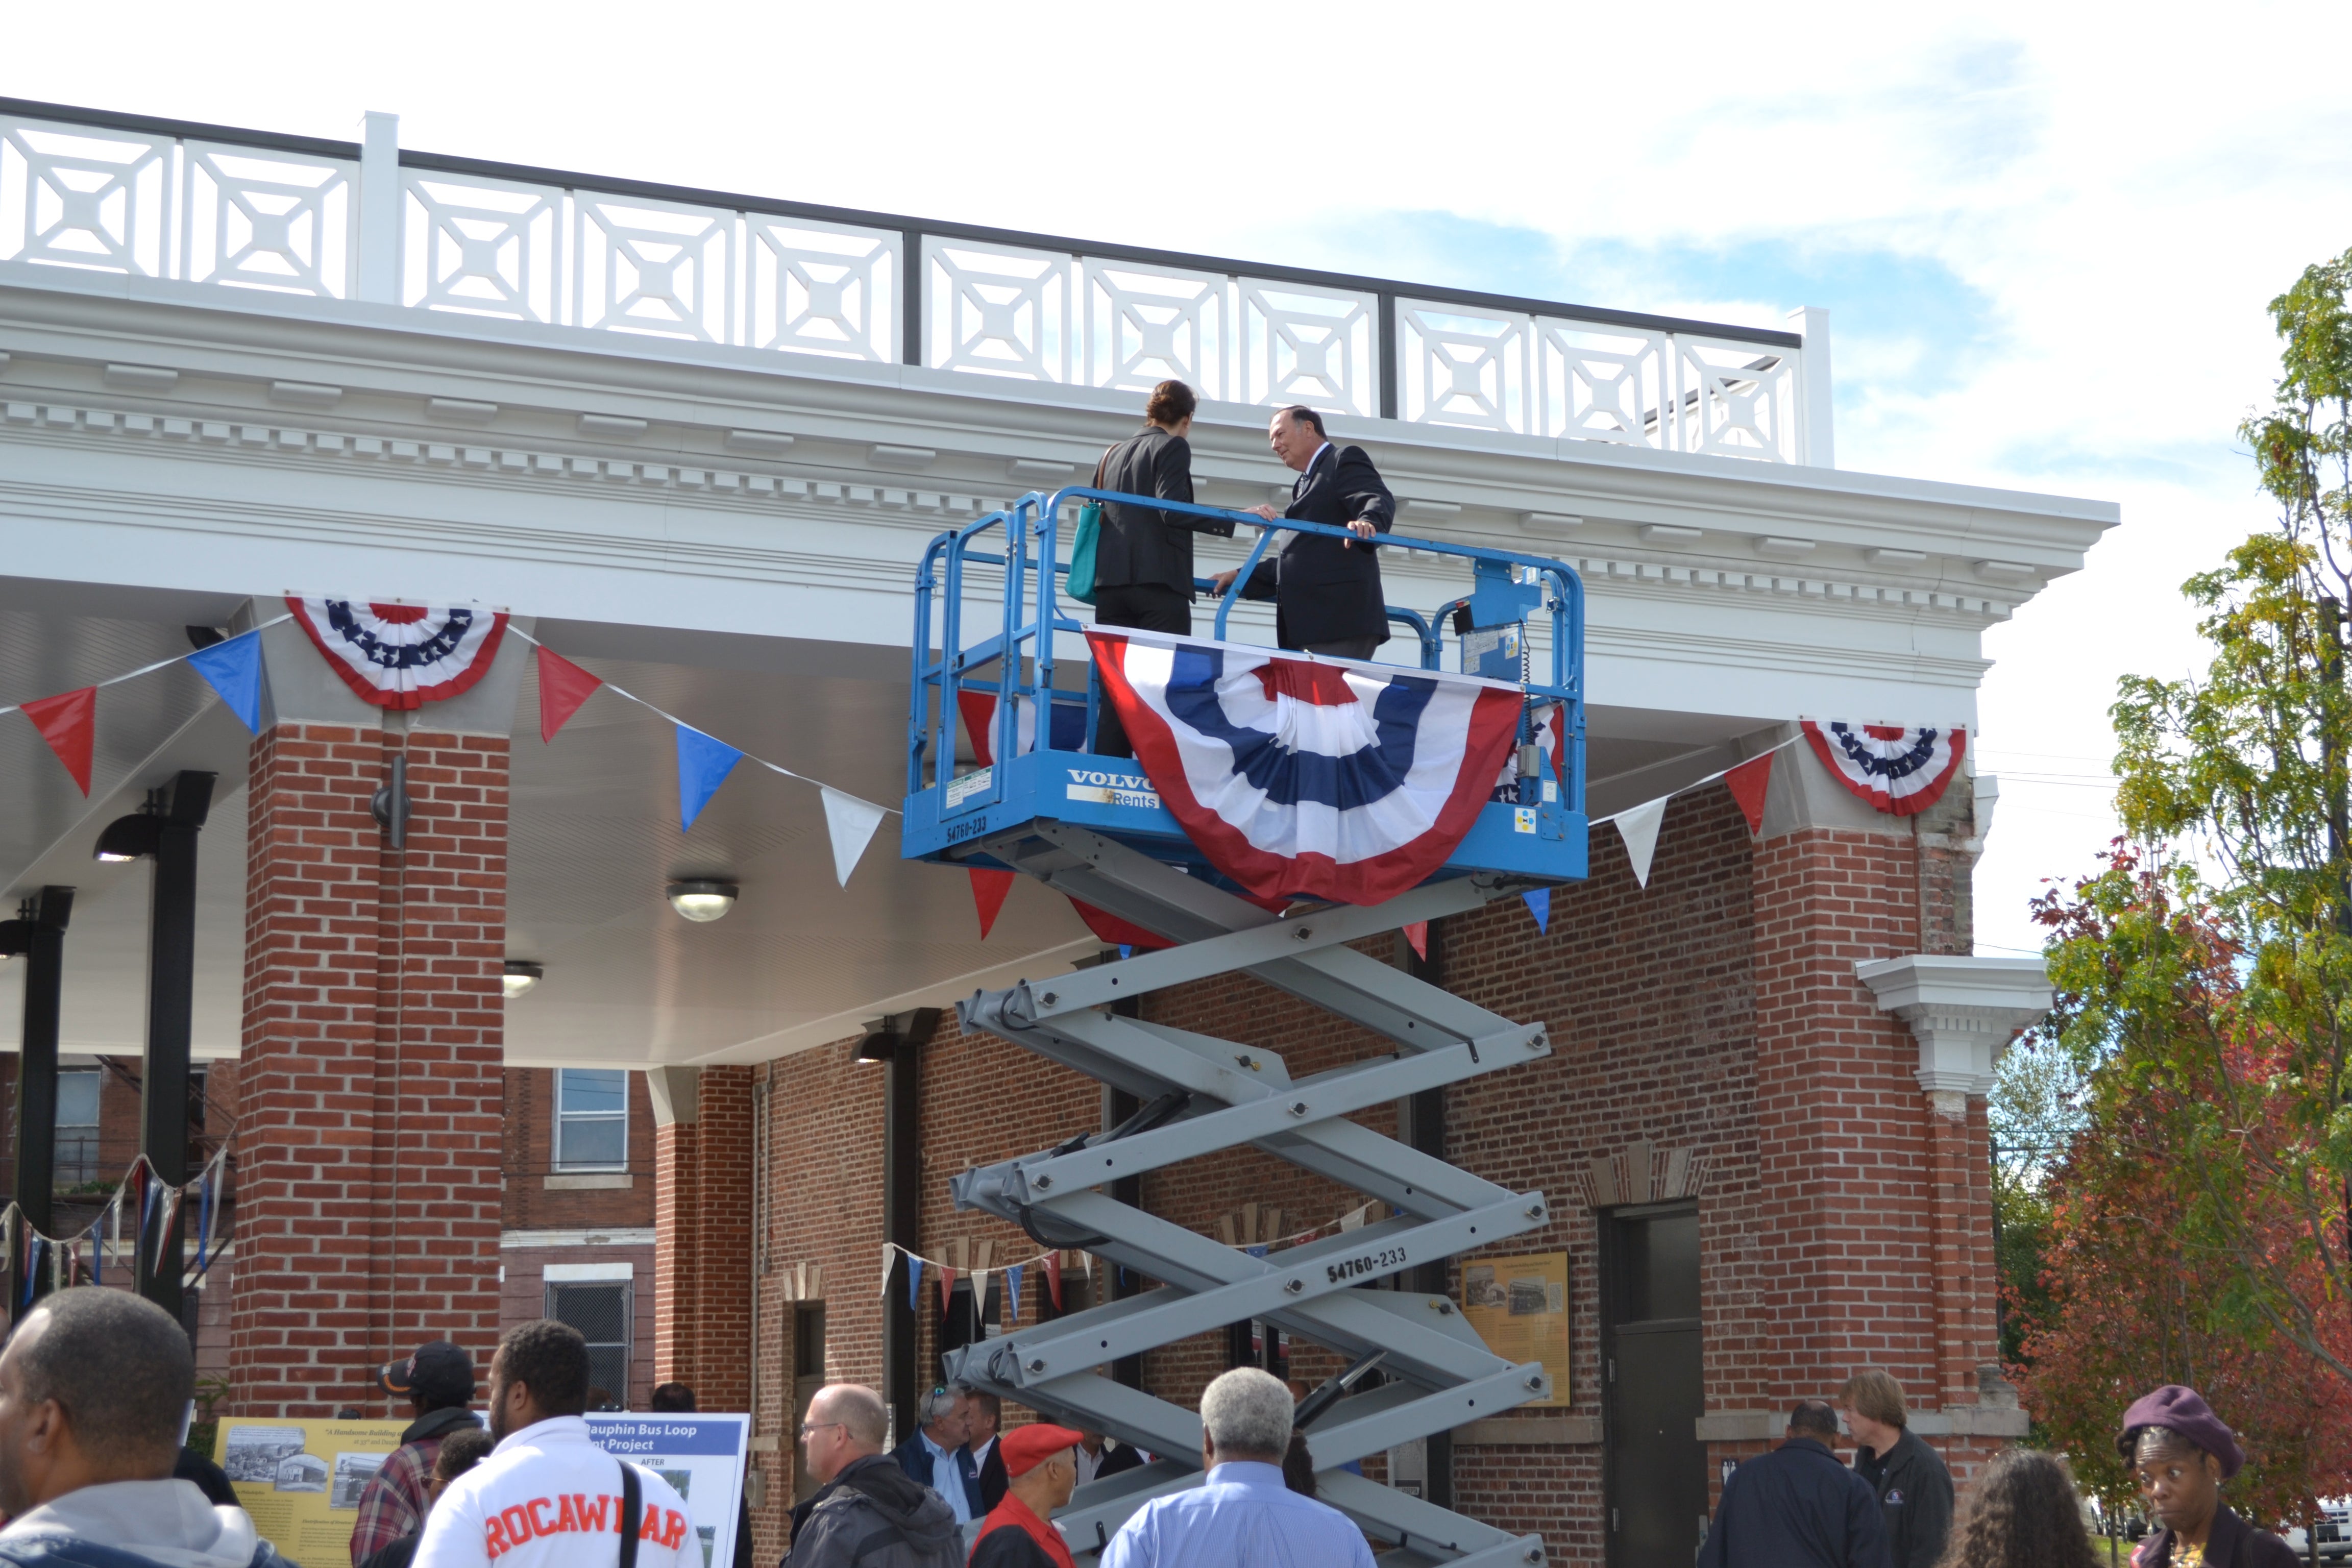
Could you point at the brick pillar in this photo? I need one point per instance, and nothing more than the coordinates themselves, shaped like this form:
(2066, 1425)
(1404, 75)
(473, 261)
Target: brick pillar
(369, 1125)
(702, 1231)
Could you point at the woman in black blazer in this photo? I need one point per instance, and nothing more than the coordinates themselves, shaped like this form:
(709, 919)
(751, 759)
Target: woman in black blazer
(1143, 560)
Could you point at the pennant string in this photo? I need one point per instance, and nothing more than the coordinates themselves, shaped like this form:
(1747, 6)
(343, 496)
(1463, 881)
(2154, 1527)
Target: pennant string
(151, 669)
(747, 756)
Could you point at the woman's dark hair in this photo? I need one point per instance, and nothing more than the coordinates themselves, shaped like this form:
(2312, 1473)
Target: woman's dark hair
(2024, 1515)
(1297, 1467)
(1171, 401)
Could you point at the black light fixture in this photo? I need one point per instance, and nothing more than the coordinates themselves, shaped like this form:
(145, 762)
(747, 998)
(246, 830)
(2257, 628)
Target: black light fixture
(522, 974)
(164, 830)
(883, 1037)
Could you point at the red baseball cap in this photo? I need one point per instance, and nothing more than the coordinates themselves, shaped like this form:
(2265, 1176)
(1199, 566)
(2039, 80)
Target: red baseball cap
(1026, 1447)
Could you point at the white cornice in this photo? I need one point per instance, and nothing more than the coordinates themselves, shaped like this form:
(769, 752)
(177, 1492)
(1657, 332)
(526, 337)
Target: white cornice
(93, 319)
(1963, 1011)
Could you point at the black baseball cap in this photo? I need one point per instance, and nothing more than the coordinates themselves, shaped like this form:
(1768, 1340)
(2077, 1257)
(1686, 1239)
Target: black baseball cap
(437, 1373)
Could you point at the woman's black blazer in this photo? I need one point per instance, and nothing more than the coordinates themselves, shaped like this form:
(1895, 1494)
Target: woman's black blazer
(1140, 546)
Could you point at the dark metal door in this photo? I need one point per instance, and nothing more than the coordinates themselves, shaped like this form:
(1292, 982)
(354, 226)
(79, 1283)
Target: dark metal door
(1654, 1380)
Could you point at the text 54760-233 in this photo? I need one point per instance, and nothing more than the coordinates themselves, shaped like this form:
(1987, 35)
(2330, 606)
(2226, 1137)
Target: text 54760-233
(1387, 1261)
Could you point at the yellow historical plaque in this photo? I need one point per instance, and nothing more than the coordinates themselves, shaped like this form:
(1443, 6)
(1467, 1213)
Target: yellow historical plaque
(1519, 1307)
(301, 1481)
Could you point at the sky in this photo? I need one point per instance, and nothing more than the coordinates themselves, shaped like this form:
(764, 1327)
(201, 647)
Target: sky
(2045, 234)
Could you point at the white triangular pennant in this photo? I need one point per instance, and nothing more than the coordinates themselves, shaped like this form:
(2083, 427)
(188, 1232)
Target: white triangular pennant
(1639, 828)
(851, 822)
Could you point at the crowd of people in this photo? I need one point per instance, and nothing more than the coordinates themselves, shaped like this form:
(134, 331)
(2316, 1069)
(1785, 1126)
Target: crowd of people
(96, 1385)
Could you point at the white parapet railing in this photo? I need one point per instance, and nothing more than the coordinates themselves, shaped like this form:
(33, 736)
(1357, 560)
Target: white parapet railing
(241, 209)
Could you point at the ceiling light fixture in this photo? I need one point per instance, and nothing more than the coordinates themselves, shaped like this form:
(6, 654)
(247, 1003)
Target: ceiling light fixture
(884, 1038)
(703, 901)
(522, 974)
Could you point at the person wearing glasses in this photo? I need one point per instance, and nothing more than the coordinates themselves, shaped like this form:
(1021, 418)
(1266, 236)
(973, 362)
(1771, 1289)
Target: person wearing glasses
(866, 1513)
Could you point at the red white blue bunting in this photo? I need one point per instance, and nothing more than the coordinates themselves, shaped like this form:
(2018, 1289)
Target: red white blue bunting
(1308, 777)
(1900, 769)
(402, 656)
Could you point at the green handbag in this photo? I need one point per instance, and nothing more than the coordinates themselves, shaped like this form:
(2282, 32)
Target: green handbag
(1081, 584)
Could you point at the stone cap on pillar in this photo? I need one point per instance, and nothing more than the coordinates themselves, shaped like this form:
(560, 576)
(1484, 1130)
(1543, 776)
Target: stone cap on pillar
(1962, 1011)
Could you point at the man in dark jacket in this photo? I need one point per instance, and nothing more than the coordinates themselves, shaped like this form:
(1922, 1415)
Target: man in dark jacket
(935, 1457)
(1797, 1506)
(868, 1513)
(1326, 591)
(1914, 1490)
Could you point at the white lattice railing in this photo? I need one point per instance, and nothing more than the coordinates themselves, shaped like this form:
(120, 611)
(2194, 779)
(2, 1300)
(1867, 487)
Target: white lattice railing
(282, 214)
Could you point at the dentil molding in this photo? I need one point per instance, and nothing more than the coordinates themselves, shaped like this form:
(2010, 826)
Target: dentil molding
(1962, 1011)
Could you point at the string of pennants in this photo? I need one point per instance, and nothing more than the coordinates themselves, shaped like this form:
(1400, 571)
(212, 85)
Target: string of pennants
(147, 1202)
(976, 1262)
(403, 655)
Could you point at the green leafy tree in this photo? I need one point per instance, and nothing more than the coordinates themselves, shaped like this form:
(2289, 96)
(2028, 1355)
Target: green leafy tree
(2242, 770)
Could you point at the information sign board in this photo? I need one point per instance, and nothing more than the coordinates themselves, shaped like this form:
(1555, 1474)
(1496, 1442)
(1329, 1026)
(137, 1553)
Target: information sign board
(1519, 1307)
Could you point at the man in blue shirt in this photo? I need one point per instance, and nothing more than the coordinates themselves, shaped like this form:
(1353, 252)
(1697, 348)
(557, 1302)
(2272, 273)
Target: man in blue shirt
(936, 1456)
(1242, 1515)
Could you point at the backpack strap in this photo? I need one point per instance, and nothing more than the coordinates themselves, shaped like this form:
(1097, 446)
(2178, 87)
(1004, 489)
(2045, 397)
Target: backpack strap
(632, 1514)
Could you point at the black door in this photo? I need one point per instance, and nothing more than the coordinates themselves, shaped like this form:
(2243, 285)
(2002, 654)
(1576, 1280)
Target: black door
(1651, 1372)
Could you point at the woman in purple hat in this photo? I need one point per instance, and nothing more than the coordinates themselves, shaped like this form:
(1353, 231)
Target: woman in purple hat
(2181, 1454)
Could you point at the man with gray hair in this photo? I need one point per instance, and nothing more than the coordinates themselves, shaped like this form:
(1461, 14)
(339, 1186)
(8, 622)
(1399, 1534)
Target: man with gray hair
(936, 1456)
(94, 1389)
(1242, 1514)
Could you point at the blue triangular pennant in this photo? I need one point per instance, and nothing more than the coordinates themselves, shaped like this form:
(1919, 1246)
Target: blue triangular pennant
(233, 668)
(1125, 950)
(1013, 1291)
(914, 1283)
(1539, 905)
(703, 765)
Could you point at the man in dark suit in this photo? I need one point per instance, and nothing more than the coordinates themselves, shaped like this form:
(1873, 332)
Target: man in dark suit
(1326, 591)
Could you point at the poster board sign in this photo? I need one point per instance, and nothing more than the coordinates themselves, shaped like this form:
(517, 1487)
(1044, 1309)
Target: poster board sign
(701, 1455)
(1519, 1307)
(301, 1480)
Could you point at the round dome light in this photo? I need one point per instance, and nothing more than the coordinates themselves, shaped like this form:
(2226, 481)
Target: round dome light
(522, 974)
(702, 902)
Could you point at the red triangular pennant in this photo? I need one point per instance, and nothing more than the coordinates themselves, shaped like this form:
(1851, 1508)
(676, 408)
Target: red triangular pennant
(1417, 933)
(68, 723)
(1053, 1277)
(563, 686)
(987, 890)
(948, 1274)
(1116, 931)
(1747, 783)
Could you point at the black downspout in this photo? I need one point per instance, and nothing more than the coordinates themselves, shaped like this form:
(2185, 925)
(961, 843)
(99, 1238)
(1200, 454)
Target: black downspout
(1424, 1130)
(902, 1177)
(38, 935)
(170, 1020)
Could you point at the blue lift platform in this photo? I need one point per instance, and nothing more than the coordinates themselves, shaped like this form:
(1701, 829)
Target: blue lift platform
(1057, 777)
(1093, 827)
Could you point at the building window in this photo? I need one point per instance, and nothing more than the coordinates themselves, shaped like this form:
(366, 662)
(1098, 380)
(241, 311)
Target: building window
(76, 1151)
(592, 1119)
(601, 1314)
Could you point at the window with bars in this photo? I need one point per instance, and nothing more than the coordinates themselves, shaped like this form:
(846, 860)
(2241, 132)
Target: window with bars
(601, 1314)
(77, 1147)
(592, 1119)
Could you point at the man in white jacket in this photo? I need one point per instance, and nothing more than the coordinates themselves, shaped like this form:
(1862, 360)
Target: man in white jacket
(548, 1497)
(94, 1389)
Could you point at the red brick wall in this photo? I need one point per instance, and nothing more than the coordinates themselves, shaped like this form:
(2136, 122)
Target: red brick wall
(530, 1159)
(522, 1293)
(702, 1243)
(370, 1118)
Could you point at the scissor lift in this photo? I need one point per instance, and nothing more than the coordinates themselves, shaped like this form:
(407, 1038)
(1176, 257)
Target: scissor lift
(1113, 847)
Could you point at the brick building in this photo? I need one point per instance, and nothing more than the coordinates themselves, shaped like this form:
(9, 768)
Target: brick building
(1760, 1131)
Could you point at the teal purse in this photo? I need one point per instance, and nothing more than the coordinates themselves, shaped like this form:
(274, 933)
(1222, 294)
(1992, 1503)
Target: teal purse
(1081, 584)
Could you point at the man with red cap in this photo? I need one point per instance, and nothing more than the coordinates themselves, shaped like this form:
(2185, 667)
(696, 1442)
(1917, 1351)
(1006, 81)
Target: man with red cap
(2181, 1453)
(1041, 1471)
